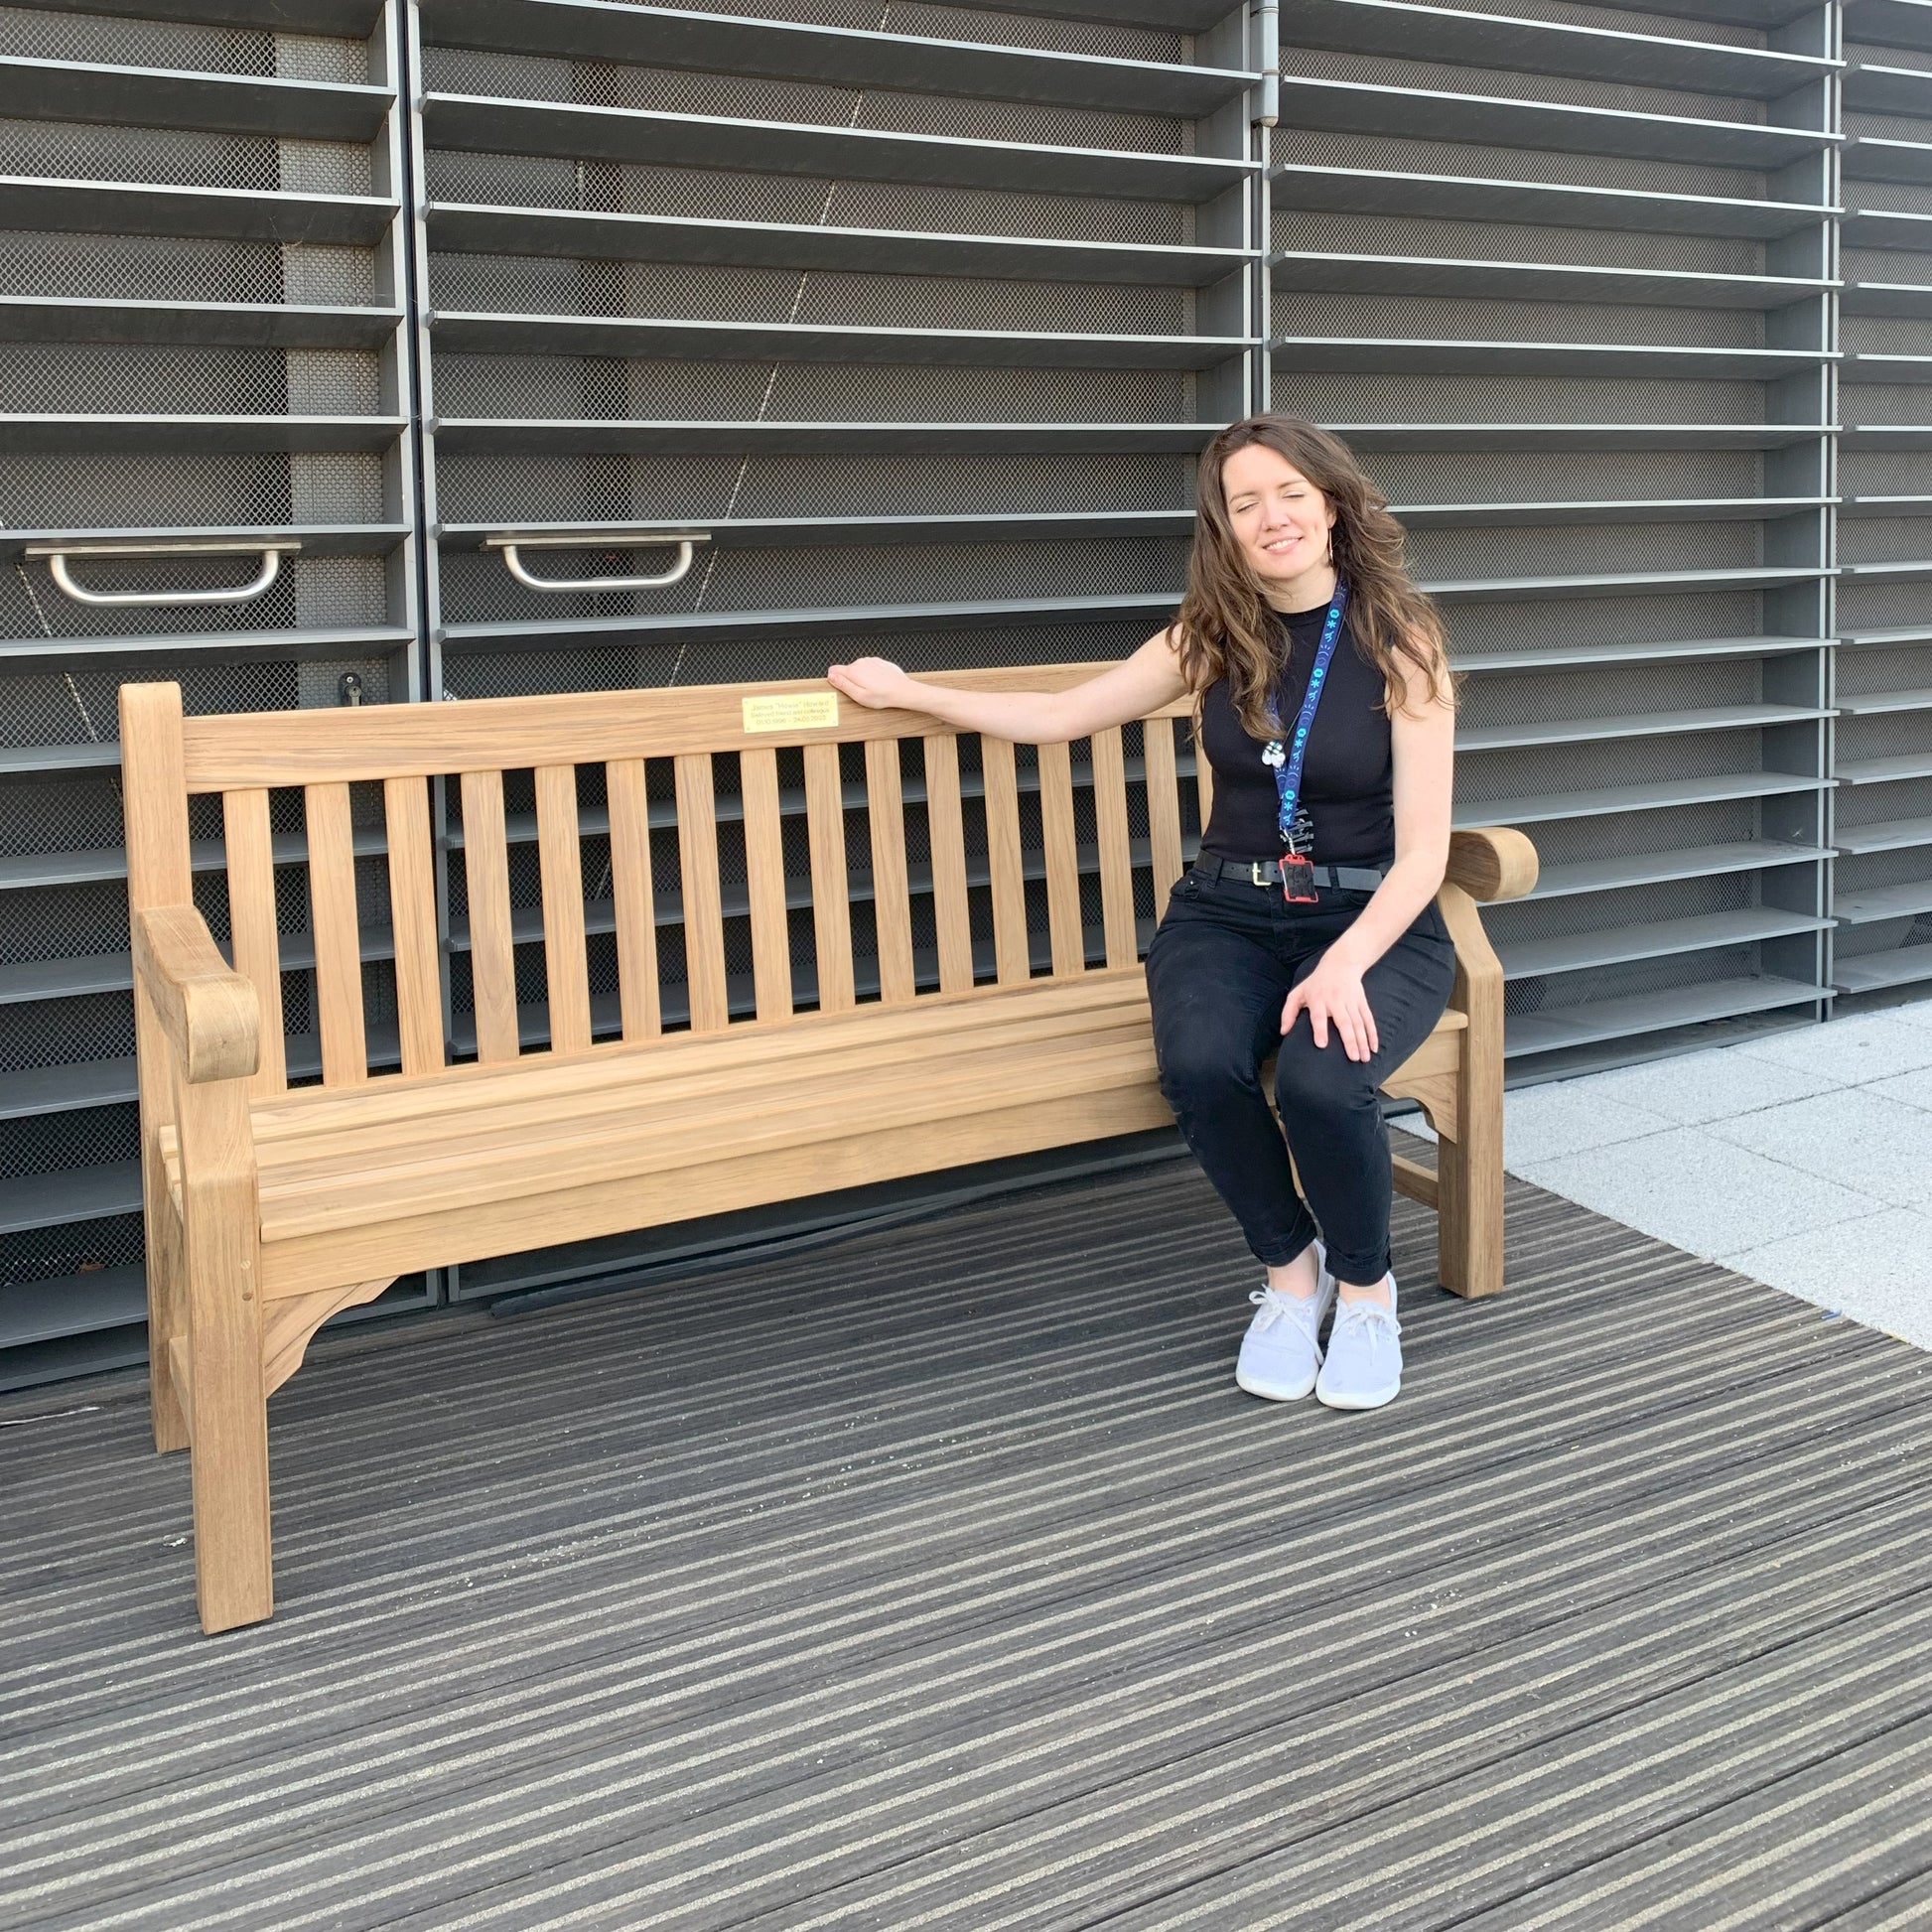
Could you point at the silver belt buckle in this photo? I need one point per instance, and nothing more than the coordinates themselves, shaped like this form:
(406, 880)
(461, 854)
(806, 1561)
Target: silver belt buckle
(1254, 871)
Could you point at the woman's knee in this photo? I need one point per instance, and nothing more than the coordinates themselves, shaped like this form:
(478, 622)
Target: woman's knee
(1311, 1079)
(1200, 1058)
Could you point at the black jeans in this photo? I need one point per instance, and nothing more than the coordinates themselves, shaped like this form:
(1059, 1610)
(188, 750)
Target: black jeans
(1221, 965)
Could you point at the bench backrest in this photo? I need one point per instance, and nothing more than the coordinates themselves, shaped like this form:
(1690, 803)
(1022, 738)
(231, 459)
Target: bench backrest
(650, 778)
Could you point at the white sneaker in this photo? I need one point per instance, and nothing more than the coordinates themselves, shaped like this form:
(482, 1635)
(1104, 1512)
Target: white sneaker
(1280, 1355)
(1363, 1366)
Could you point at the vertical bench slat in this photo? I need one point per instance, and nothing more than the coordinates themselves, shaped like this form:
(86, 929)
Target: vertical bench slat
(891, 901)
(412, 915)
(1062, 860)
(1009, 953)
(765, 871)
(1116, 857)
(831, 883)
(1162, 807)
(1203, 779)
(338, 933)
(634, 900)
(251, 924)
(946, 837)
(493, 959)
(560, 858)
(704, 913)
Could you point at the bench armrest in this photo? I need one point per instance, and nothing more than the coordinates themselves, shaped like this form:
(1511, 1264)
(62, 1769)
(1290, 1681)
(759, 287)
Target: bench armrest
(1491, 862)
(208, 1012)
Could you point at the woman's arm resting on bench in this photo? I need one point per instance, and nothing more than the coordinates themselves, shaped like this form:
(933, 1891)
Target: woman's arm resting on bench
(1131, 689)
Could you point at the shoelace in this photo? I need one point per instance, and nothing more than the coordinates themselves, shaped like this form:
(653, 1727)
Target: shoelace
(1277, 1308)
(1362, 1315)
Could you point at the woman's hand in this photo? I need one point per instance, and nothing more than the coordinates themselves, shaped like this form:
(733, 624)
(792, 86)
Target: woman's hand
(1332, 994)
(875, 682)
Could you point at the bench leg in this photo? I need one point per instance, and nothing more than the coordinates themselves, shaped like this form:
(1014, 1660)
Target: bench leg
(1469, 1181)
(167, 1320)
(226, 1398)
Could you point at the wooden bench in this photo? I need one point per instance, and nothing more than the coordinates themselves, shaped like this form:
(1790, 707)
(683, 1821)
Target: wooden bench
(270, 1206)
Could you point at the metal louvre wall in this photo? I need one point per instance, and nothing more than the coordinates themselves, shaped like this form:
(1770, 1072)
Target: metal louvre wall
(203, 273)
(1883, 691)
(915, 319)
(916, 315)
(1565, 279)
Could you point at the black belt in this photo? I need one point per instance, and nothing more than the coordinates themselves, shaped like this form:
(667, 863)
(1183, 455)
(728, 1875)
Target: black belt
(1268, 872)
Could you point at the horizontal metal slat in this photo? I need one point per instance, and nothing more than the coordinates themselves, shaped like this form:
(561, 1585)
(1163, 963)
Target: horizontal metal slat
(227, 214)
(1913, 505)
(1647, 724)
(1647, 583)
(29, 761)
(622, 134)
(1909, 633)
(783, 532)
(1502, 120)
(1456, 356)
(1871, 904)
(1874, 972)
(1578, 436)
(202, 646)
(1620, 651)
(1874, 227)
(1909, 299)
(1612, 801)
(1497, 281)
(1877, 157)
(350, 19)
(794, 49)
(573, 233)
(657, 338)
(1477, 197)
(1622, 509)
(1702, 932)
(1871, 703)
(494, 436)
(1656, 868)
(1645, 1013)
(1884, 772)
(216, 103)
(1895, 23)
(106, 435)
(246, 324)
(1883, 87)
(75, 1304)
(1865, 365)
(673, 625)
(1884, 835)
(316, 539)
(62, 1089)
(51, 1200)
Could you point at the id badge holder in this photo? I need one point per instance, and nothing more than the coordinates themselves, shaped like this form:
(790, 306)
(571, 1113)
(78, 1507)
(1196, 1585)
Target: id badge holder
(1297, 880)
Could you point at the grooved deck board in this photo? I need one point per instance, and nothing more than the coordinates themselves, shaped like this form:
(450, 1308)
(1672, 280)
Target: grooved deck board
(942, 1578)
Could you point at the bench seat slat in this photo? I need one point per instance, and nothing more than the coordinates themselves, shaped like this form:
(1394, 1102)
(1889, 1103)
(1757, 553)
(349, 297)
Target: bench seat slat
(460, 1088)
(671, 1135)
(543, 1109)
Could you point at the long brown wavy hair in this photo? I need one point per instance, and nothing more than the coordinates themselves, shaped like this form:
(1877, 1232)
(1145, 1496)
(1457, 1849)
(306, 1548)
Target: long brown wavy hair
(1225, 626)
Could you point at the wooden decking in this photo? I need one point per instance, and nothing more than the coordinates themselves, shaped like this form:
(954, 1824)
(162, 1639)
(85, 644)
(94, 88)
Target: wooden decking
(944, 1579)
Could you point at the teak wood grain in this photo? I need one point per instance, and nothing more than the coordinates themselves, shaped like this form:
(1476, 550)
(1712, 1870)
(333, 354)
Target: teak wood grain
(268, 1208)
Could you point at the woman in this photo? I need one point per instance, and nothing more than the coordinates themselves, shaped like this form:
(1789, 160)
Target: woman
(1307, 926)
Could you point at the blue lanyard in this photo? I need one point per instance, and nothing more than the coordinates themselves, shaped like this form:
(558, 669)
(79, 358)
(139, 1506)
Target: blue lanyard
(1286, 760)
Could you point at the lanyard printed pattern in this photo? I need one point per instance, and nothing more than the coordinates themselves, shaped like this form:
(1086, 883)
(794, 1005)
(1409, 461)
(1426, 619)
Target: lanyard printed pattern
(1287, 760)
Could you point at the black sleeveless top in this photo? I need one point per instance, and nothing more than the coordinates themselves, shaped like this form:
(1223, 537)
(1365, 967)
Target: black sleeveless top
(1347, 775)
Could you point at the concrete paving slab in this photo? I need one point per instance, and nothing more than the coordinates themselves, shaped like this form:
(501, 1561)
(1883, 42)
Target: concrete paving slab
(1913, 1090)
(1702, 1194)
(1692, 1089)
(1569, 1117)
(1849, 1052)
(1876, 1271)
(1855, 1136)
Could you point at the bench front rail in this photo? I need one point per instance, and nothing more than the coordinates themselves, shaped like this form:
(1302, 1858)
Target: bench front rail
(944, 968)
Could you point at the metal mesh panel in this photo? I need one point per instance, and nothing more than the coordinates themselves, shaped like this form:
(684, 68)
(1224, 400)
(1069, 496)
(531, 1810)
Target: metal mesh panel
(30, 33)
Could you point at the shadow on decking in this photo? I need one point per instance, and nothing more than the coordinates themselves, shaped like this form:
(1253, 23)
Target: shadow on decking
(943, 1579)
